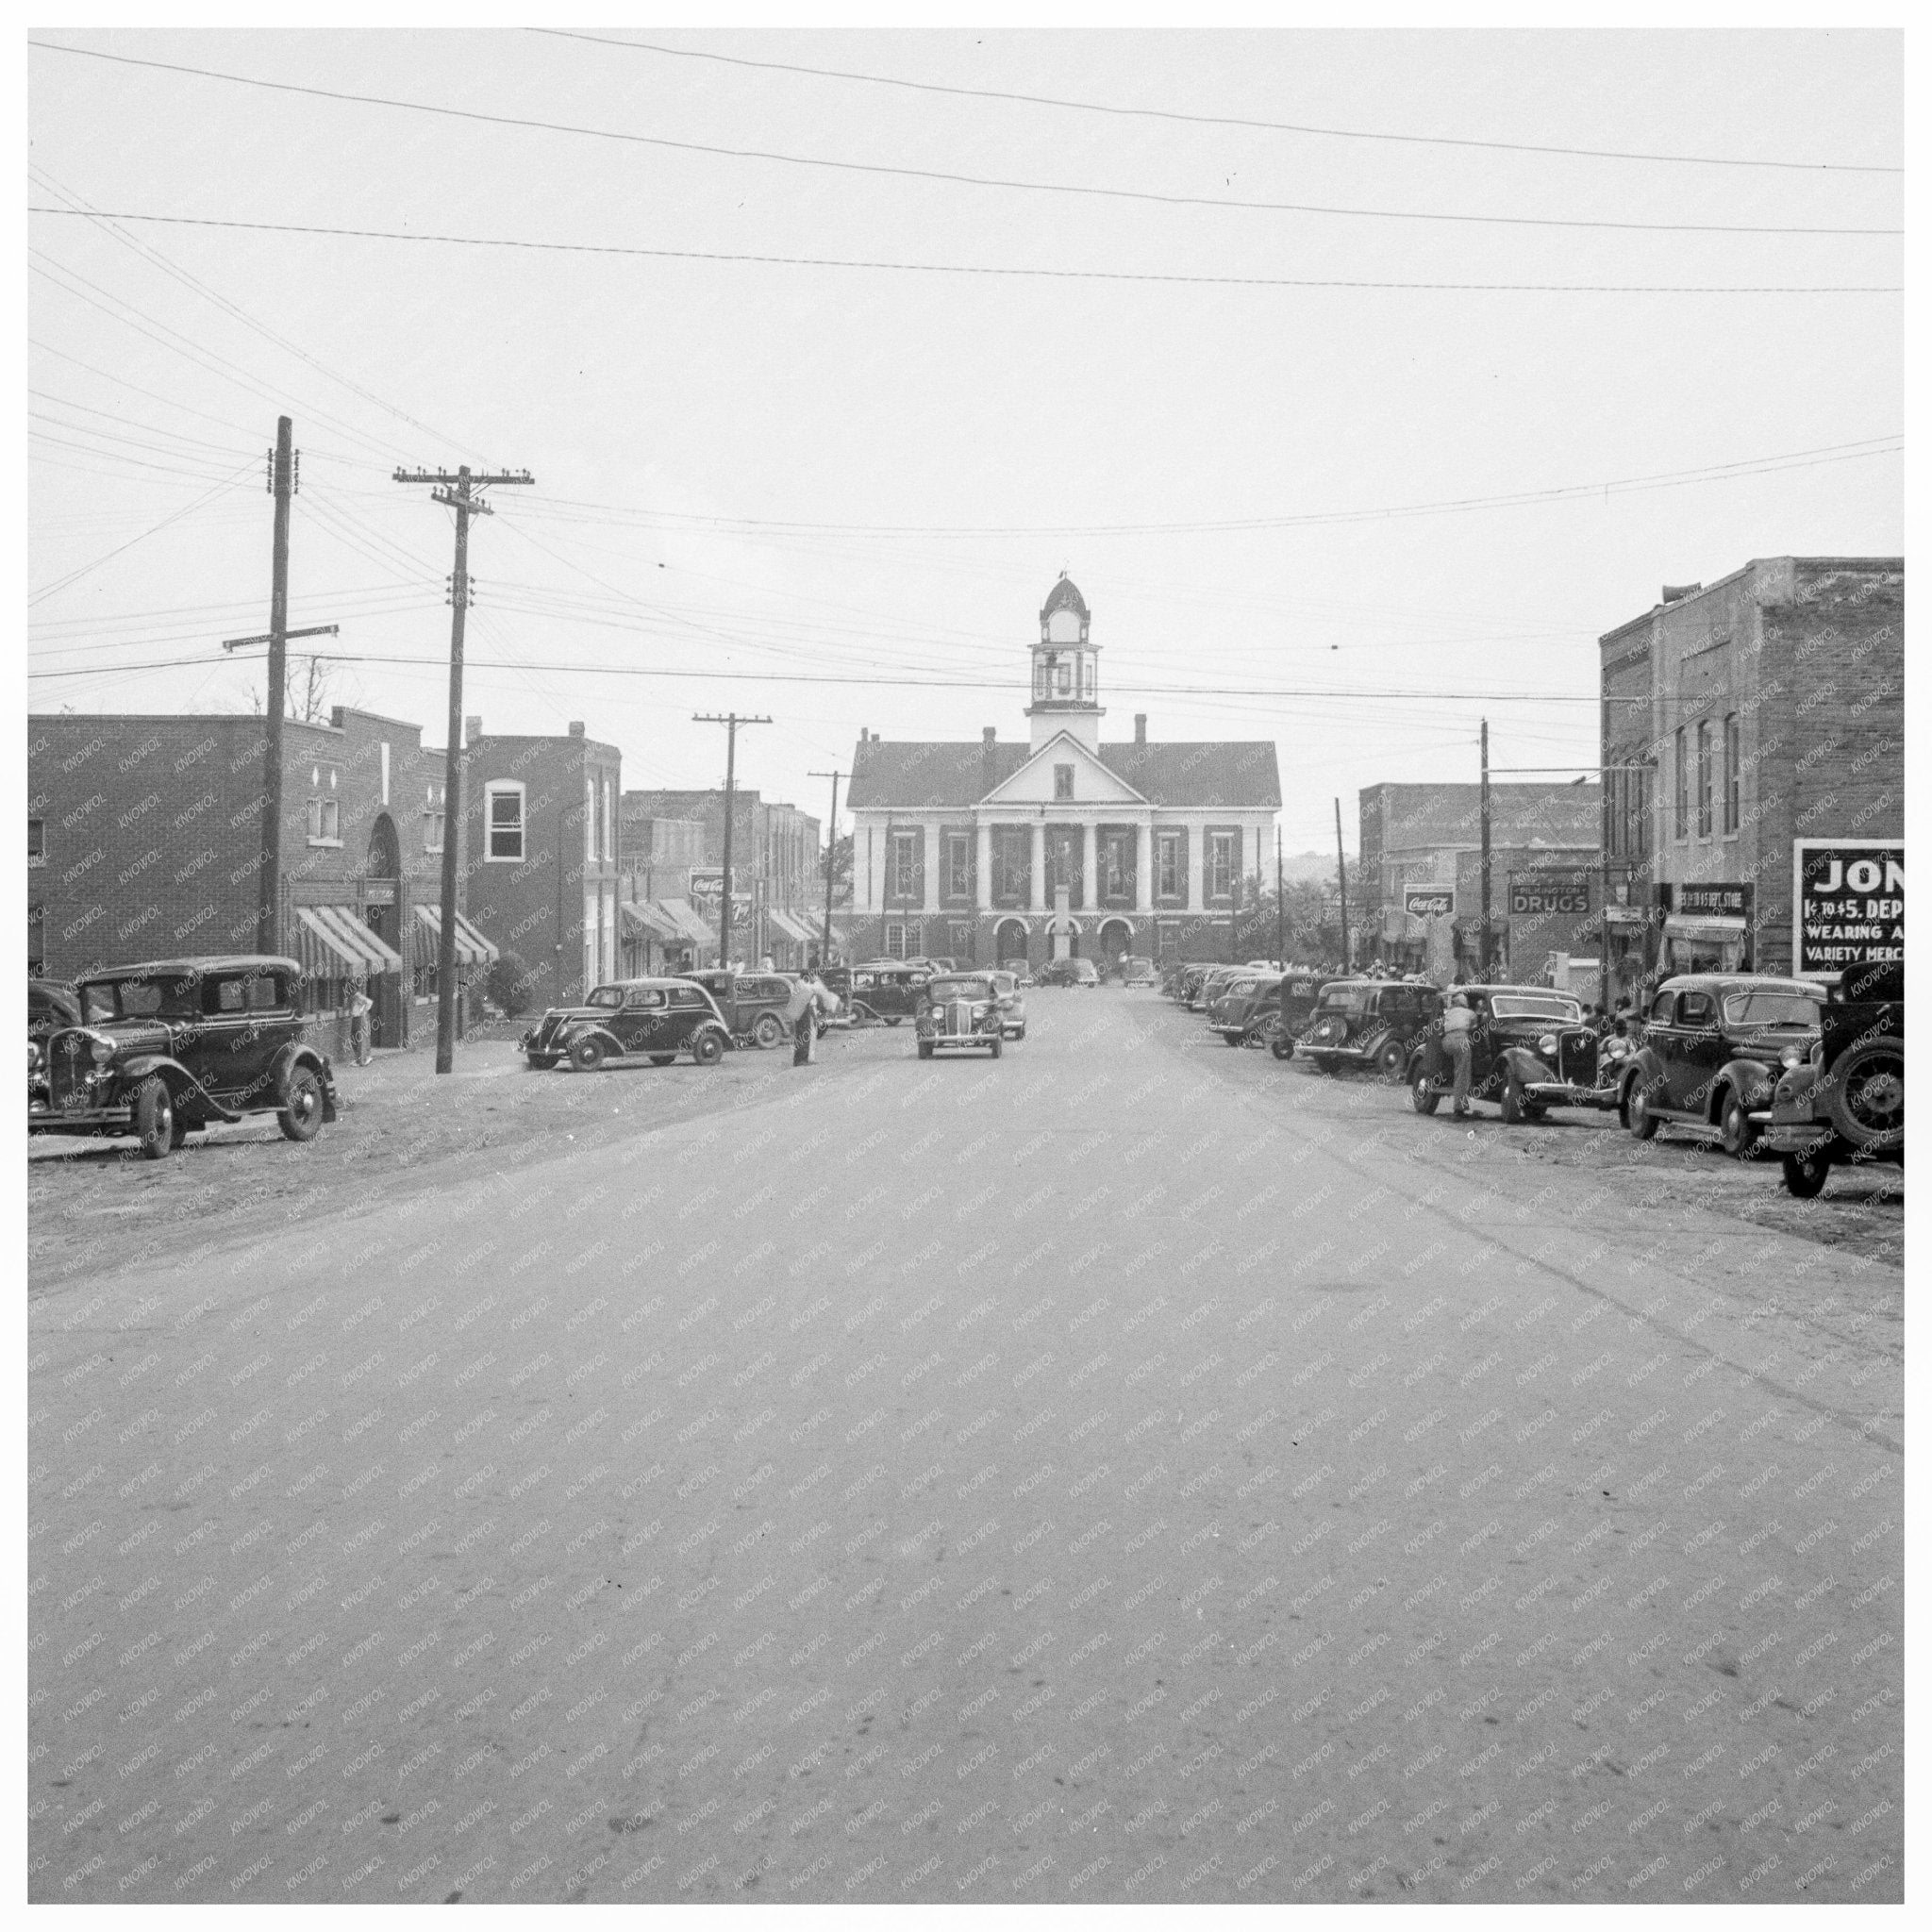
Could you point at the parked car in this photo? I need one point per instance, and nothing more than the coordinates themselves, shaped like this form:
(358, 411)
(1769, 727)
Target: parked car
(932, 963)
(636, 1018)
(1138, 970)
(1243, 1002)
(1012, 1001)
(1714, 1046)
(170, 1047)
(752, 1005)
(1531, 1050)
(1369, 1022)
(1071, 972)
(1297, 997)
(886, 990)
(1845, 1103)
(51, 1003)
(960, 1010)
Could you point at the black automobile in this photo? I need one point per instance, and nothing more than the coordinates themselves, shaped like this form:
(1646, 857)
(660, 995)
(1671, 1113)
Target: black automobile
(51, 1003)
(879, 990)
(1714, 1048)
(960, 1010)
(1300, 994)
(169, 1047)
(1243, 1006)
(1368, 1022)
(1531, 1050)
(1069, 971)
(653, 1020)
(1845, 1103)
(752, 1005)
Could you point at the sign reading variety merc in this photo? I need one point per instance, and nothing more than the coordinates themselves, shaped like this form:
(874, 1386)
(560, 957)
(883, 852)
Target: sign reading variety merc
(1549, 889)
(1848, 902)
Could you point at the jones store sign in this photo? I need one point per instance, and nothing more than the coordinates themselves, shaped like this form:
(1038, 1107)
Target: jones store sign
(1848, 902)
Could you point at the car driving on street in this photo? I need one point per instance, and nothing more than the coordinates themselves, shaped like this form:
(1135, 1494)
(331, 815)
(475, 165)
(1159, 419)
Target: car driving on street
(1071, 972)
(655, 1020)
(960, 1010)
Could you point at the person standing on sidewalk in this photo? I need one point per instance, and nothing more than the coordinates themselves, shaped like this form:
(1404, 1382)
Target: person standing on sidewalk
(808, 999)
(1458, 1026)
(360, 1007)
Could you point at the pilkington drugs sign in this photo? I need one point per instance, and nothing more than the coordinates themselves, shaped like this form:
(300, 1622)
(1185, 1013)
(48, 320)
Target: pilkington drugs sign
(1549, 889)
(1848, 902)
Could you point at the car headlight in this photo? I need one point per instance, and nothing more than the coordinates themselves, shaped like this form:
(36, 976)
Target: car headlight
(1546, 1045)
(102, 1051)
(1792, 1056)
(33, 1057)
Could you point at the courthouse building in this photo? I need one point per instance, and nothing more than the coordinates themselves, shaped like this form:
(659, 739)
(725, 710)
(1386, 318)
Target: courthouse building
(1062, 844)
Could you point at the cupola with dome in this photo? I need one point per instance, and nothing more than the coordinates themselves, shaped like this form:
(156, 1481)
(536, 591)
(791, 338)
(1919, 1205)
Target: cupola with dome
(1066, 670)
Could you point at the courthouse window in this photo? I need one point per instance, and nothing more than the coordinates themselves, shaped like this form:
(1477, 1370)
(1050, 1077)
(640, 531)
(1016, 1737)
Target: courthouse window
(958, 865)
(1221, 864)
(1063, 781)
(1173, 873)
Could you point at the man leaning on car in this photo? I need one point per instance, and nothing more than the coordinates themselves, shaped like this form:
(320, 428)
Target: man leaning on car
(1459, 1025)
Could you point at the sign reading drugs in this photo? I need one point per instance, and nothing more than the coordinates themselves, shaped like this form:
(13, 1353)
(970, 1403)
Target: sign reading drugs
(1428, 902)
(1848, 904)
(1549, 889)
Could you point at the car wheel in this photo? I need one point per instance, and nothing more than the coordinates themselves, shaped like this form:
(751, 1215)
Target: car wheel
(1330, 1066)
(1740, 1134)
(178, 1139)
(1283, 1049)
(154, 1118)
(662, 1059)
(998, 1046)
(925, 1049)
(1232, 1038)
(1804, 1173)
(1021, 1035)
(1389, 1060)
(708, 1049)
(540, 1062)
(768, 1031)
(587, 1056)
(1637, 1114)
(1868, 1095)
(1511, 1101)
(1421, 1093)
(301, 1118)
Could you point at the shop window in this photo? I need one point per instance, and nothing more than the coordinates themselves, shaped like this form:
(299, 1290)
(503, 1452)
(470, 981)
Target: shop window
(1680, 814)
(502, 811)
(1733, 776)
(1703, 779)
(1062, 781)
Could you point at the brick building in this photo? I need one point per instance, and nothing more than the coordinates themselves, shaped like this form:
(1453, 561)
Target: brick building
(1743, 723)
(658, 929)
(1421, 846)
(1062, 845)
(540, 855)
(144, 841)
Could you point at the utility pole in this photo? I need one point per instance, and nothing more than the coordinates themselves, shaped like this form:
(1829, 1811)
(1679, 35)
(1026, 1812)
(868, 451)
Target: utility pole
(831, 845)
(1486, 851)
(457, 492)
(1280, 908)
(1341, 884)
(731, 721)
(281, 482)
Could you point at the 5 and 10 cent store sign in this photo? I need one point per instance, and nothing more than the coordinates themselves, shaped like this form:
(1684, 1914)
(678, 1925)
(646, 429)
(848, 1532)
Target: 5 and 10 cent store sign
(1848, 904)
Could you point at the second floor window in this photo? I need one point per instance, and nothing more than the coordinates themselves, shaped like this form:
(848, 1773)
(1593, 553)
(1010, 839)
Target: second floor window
(1222, 863)
(1733, 775)
(1704, 780)
(1680, 811)
(904, 880)
(958, 865)
(503, 817)
(1171, 879)
(1117, 864)
(1012, 864)
(1063, 781)
(325, 813)
(432, 818)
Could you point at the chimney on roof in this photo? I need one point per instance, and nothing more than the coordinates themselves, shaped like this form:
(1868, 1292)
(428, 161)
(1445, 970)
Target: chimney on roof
(472, 730)
(576, 727)
(1675, 593)
(1140, 727)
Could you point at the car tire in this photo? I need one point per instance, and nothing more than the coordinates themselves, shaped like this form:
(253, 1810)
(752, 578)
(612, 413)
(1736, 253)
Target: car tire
(1390, 1060)
(662, 1059)
(1637, 1114)
(999, 1047)
(925, 1049)
(1510, 1101)
(154, 1118)
(1868, 1095)
(540, 1062)
(1282, 1049)
(1736, 1130)
(708, 1049)
(300, 1116)
(587, 1056)
(767, 1031)
(1421, 1093)
(1804, 1173)
(1232, 1038)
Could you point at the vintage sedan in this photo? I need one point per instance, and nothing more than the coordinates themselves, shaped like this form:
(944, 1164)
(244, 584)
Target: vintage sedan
(1845, 1104)
(752, 1005)
(1069, 971)
(1531, 1050)
(874, 990)
(960, 1010)
(1368, 1022)
(170, 1047)
(1135, 968)
(653, 1020)
(1243, 1004)
(1714, 1046)
(1012, 999)
(1297, 998)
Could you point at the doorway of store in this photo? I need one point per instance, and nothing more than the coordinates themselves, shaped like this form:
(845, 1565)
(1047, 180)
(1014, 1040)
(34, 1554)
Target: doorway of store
(383, 913)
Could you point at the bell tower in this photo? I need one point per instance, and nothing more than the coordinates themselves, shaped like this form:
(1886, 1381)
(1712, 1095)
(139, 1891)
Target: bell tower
(1066, 670)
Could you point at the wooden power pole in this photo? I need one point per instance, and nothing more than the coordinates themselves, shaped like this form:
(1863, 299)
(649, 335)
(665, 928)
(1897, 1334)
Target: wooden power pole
(1485, 813)
(1341, 884)
(457, 492)
(731, 721)
(281, 480)
(831, 848)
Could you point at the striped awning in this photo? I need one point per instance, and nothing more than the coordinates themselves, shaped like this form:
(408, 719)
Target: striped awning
(790, 925)
(332, 942)
(689, 924)
(473, 948)
(648, 918)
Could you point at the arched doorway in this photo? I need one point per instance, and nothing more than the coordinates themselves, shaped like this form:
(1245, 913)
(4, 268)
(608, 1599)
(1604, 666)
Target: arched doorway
(1116, 941)
(1063, 939)
(1009, 941)
(383, 913)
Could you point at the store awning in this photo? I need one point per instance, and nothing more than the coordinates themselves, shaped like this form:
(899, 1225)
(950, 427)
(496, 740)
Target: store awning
(332, 942)
(473, 948)
(689, 925)
(790, 925)
(648, 918)
(1719, 928)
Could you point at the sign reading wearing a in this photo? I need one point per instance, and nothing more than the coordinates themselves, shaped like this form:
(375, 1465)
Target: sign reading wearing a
(1848, 902)
(1428, 902)
(1551, 889)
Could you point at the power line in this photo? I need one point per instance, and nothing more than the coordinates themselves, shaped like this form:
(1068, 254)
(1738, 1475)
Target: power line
(74, 577)
(984, 94)
(1054, 275)
(947, 176)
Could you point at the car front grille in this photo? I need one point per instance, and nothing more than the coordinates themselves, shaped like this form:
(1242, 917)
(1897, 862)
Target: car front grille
(68, 1067)
(1576, 1058)
(958, 1018)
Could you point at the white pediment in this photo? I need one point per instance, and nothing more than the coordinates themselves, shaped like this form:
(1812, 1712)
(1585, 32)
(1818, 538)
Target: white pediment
(1093, 783)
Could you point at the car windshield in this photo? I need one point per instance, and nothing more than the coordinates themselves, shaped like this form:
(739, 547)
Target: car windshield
(140, 999)
(960, 988)
(606, 996)
(1771, 1009)
(1536, 1005)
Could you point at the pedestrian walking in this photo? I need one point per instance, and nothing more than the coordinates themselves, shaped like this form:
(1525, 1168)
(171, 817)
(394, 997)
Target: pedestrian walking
(1458, 1025)
(808, 999)
(360, 1007)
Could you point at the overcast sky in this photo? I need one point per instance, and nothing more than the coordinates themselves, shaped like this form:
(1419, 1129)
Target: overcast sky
(875, 474)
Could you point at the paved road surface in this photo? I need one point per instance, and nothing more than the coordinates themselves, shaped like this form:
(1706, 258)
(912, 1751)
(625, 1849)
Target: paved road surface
(1133, 1471)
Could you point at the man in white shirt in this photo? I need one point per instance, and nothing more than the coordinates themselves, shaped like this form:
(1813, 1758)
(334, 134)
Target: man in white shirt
(1458, 1027)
